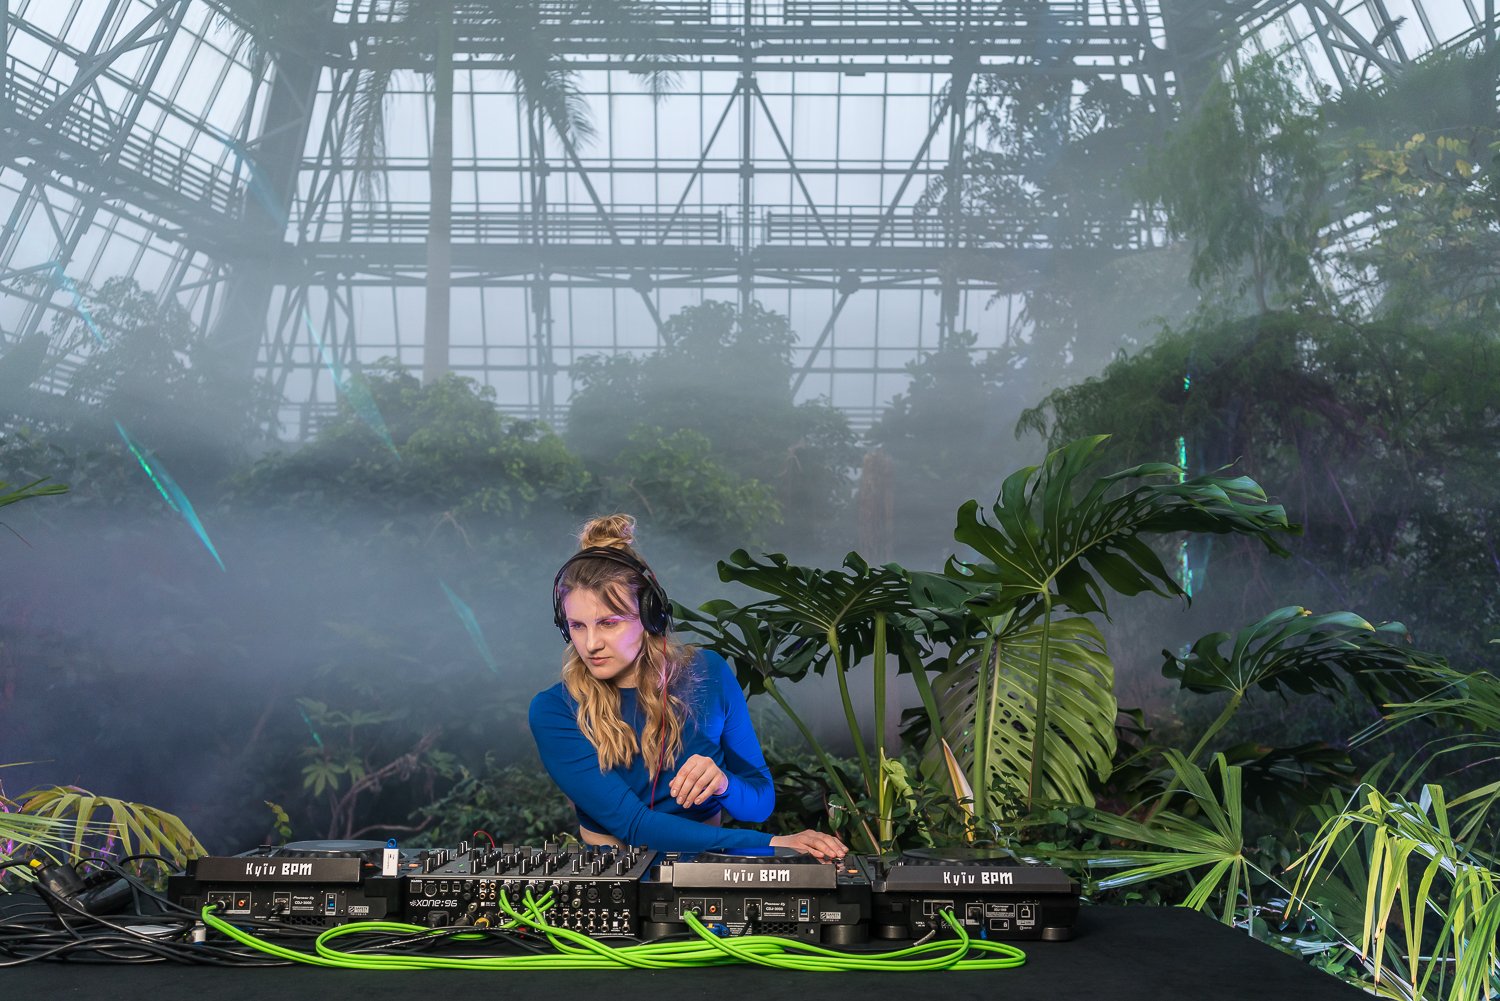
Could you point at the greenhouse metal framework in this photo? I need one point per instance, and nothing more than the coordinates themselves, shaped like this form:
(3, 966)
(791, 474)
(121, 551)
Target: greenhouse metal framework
(787, 151)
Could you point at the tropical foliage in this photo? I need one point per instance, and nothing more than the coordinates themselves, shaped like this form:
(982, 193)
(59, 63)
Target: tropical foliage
(1426, 905)
(1361, 313)
(1218, 827)
(989, 629)
(131, 828)
(62, 823)
(10, 494)
(1244, 178)
(727, 375)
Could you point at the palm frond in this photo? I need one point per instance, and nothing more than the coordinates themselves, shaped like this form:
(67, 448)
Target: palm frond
(26, 491)
(1186, 844)
(364, 142)
(135, 826)
(1401, 861)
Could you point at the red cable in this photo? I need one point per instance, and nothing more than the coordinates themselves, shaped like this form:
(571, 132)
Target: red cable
(660, 760)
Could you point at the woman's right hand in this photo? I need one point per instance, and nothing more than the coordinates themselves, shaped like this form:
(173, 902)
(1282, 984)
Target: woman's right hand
(814, 843)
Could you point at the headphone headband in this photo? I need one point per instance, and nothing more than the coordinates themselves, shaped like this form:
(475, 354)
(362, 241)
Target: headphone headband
(654, 607)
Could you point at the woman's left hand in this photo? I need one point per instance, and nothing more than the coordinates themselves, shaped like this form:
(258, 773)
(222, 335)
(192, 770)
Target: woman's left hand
(697, 780)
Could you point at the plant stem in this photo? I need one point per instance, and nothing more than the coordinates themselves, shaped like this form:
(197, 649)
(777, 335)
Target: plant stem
(882, 807)
(1235, 698)
(979, 768)
(924, 692)
(436, 338)
(1040, 726)
(994, 706)
(828, 769)
(880, 655)
(871, 787)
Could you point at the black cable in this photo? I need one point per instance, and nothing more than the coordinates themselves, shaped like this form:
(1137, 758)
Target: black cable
(51, 898)
(176, 869)
(382, 944)
(113, 949)
(138, 886)
(34, 944)
(191, 914)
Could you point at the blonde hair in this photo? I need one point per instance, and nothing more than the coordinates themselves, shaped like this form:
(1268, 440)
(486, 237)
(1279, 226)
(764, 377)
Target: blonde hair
(661, 666)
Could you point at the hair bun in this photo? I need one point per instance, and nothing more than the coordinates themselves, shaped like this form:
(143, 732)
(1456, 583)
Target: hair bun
(613, 531)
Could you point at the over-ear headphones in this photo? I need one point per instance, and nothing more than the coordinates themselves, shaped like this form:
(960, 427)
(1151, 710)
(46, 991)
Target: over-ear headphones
(654, 607)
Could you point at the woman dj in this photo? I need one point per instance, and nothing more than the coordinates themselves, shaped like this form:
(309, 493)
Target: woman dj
(649, 738)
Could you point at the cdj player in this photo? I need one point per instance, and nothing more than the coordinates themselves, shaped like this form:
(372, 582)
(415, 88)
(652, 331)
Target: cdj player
(314, 883)
(990, 892)
(766, 891)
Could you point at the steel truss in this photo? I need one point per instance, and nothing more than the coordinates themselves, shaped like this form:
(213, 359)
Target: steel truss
(250, 211)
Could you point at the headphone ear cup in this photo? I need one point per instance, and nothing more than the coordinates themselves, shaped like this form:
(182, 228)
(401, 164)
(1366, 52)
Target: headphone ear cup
(656, 610)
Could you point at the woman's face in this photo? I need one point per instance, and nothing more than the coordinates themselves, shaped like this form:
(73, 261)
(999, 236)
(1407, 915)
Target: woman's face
(608, 642)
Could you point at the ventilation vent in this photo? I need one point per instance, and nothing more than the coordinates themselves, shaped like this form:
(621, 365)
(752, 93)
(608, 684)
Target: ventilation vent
(786, 928)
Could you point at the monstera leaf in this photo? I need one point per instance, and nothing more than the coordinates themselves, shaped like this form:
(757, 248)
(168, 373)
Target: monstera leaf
(1293, 650)
(945, 610)
(1052, 540)
(1080, 742)
(1055, 539)
(756, 648)
(818, 618)
(847, 608)
(827, 604)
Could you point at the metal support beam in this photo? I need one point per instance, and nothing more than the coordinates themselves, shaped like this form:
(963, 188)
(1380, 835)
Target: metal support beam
(953, 179)
(1357, 41)
(745, 86)
(89, 72)
(885, 221)
(240, 327)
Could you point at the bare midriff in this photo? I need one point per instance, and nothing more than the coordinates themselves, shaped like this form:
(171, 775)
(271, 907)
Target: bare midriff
(589, 837)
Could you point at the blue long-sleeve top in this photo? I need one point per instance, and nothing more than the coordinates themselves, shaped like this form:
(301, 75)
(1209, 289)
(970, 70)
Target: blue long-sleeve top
(717, 725)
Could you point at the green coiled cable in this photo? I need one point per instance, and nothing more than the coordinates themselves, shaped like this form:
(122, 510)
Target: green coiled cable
(576, 951)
